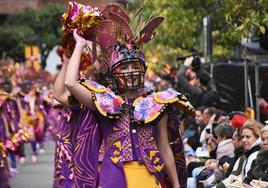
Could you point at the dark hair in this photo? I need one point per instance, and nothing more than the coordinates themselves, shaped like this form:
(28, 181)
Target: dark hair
(204, 77)
(200, 108)
(224, 130)
(166, 77)
(238, 133)
(211, 110)
(196, 64)
(6, 81)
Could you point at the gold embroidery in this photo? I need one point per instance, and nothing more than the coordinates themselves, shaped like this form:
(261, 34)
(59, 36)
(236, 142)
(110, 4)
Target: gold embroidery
(118, 144)
(115, 159)
(156, 160)
(116, 153)
(152, 154)
(158, 168)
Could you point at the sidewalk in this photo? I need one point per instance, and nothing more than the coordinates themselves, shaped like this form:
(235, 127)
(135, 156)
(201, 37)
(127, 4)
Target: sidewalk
(39, 175)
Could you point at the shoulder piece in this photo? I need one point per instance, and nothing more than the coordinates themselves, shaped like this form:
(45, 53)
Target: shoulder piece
(146, 109)
(93, 86)
(108, 104)
(3, 98)
(175, 99)
(106, 101)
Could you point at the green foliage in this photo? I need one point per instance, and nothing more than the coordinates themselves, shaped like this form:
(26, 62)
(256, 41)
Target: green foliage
(247, 16)
(178, 35)
(181, 31)
(39, 27)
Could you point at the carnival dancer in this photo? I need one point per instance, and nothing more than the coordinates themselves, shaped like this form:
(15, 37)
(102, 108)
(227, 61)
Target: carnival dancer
(10, 115)
(4, 133)
(4, 171)
(12, 136)
(26, 104)
(133, 121)
(39, 113)
(76, 125)
(63, 171)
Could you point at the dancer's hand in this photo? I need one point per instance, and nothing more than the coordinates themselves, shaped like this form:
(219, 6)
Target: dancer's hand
(79, 40)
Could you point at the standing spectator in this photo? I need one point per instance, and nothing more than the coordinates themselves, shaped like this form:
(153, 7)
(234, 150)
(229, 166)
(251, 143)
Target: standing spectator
(210, 95)
(264, 106)
(188, 83)
(197, 83)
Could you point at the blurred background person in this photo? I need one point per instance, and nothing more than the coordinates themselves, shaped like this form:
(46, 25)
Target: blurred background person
(259, 168)
(250, 134)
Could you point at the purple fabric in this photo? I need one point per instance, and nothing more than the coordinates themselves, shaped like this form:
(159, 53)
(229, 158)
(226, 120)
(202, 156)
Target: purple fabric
(11, 112)
(4, 174)
(24, 104)
(112, 174)
(77, 144)
(86, 141)
(177, 149)
(2, 130)
(64, 150)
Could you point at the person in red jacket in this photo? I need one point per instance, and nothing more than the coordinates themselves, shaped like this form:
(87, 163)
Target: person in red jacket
(264, 106)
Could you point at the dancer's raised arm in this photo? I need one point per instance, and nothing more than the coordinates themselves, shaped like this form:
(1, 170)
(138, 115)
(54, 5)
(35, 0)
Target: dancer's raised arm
(76, 89)
(60, 93)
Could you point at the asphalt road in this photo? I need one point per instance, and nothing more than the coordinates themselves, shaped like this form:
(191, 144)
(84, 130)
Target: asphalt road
(39, 175)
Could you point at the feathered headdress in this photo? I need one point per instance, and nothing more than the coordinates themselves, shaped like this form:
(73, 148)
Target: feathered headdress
(118, 36)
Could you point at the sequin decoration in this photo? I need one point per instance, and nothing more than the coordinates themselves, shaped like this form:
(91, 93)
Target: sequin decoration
(147, 109)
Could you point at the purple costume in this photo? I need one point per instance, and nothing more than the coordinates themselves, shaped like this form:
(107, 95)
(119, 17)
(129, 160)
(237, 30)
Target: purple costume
(129, 132)
(4, 172)
(127, 127)
(75, 166)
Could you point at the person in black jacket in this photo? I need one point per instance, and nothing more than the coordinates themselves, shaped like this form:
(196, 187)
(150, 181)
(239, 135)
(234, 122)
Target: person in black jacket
(239, 150)
(197, 83)
(188, 82)
(259, 167)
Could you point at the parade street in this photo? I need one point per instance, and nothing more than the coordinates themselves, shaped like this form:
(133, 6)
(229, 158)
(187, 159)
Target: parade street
(36, 175)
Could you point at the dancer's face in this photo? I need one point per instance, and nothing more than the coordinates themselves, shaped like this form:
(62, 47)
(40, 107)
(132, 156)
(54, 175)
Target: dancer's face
(129, 74)
(7, 87)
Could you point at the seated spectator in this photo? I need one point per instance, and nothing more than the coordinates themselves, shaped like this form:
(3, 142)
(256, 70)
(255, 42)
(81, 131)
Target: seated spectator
(192, 133)
(259, 167)
(204, 122)
(208, 118)
(250, 133)
(224, 152)
(239, 151)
